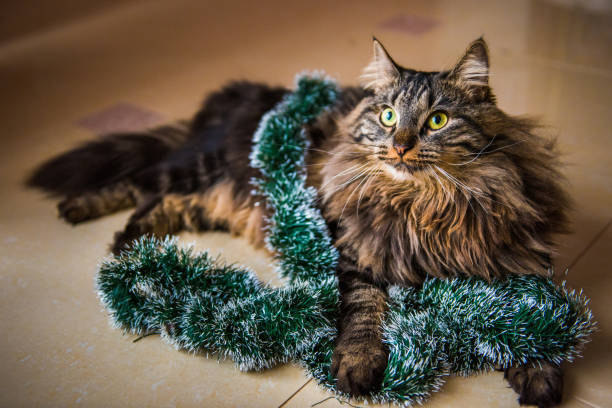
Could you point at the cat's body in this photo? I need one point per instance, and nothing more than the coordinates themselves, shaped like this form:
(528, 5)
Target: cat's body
(404, 198)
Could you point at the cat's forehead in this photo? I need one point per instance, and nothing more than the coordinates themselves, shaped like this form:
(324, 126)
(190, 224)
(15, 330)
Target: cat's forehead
(414, 87)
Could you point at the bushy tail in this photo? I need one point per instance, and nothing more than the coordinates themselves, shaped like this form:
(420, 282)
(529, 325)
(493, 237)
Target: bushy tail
(108, 160)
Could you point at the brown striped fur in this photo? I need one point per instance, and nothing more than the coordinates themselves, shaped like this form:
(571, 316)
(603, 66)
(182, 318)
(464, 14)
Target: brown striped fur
(216, 208)
(98, 203)
(482, 196)
(360, 357)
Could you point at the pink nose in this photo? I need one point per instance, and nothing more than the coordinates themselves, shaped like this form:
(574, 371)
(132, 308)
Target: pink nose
(401, 149)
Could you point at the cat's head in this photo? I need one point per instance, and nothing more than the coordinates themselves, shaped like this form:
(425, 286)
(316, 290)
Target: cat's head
(415, 123)
(443, 177)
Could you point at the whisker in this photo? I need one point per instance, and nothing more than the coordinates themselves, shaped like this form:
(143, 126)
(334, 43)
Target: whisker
(438, 179)
(315, 164)
(341, 156)
(477, 192)
(499, 148)
(354, 178)
(369, 178)
(478, 155)
(463, 188)
(333, 153)
(361, 144)
(358, 170)
(452, 178)
(350, 195)
(459, 188)
(343, 172)
(355, 189)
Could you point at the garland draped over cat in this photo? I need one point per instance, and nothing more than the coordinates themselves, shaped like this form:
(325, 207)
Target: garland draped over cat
(459, 325)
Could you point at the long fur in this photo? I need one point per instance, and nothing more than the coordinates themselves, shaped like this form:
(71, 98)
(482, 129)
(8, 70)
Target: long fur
(111, 159)
(482, 196)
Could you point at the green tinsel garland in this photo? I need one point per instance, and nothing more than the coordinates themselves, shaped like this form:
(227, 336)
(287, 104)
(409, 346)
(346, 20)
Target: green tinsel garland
(459, 326)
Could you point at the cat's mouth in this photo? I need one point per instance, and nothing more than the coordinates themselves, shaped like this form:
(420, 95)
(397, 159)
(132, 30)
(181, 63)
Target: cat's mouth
(402, 169)
(408, 167)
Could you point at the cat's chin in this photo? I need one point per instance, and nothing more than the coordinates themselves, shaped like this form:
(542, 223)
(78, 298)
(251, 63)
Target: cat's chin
(401, 172)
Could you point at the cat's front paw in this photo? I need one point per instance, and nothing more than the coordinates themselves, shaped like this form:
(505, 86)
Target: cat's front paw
(359, 368)
(541, 386)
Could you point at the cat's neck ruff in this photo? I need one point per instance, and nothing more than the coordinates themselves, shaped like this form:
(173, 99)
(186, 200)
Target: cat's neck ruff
(424, 225)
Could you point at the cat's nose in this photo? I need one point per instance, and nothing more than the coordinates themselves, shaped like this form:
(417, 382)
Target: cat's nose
(401, 149)
(404, 147)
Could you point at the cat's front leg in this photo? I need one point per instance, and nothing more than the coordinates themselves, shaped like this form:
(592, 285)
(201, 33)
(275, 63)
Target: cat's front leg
(360, 357)
(540, 385)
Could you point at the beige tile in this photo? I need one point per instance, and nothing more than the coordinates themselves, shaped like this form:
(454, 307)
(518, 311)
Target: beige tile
(590, 378)
(486, 390)
(58, 347)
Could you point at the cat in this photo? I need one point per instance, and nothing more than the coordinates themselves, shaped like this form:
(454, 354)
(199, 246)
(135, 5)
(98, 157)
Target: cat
(418, 174)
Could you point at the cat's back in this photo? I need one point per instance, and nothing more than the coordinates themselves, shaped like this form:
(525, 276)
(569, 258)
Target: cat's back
(219, 141)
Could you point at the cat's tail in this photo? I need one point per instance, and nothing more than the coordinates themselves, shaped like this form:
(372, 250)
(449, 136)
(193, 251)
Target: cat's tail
(108, 160)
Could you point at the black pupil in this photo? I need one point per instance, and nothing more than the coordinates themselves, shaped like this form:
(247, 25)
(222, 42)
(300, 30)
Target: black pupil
(437, 119)
(389, 115)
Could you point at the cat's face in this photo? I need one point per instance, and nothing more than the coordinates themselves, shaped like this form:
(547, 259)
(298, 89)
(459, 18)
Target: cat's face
(423, 124)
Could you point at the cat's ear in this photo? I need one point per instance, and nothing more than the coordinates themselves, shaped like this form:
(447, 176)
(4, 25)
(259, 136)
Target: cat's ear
(473, 68)
(381, 71)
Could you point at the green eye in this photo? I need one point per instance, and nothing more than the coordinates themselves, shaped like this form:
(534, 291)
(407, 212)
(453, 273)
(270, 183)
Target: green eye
(388, 117)
(437, 120)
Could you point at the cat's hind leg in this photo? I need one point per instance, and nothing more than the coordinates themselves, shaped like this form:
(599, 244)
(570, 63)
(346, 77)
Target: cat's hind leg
(220, 207)
(157, 216)
(90, 205)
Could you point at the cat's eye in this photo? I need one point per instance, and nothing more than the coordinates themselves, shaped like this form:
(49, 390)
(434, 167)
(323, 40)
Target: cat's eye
(388, 117)
(437, 120)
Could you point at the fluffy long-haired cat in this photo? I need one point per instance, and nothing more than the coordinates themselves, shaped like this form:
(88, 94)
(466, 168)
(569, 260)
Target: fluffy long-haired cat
(419, 174)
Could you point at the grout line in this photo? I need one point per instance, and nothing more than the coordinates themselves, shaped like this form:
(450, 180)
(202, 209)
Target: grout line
(588, 246)
(585, 402)
(294, 394)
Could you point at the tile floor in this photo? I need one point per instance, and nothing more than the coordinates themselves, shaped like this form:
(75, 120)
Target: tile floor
(550, 58)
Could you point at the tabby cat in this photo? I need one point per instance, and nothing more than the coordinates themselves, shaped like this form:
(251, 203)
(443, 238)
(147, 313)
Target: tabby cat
(418, 173)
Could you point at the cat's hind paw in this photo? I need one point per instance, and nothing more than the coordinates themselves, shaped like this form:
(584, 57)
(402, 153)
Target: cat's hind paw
(74, 210)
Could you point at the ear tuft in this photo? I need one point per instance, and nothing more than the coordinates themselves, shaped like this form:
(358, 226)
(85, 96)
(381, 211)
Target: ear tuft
(473, 68)
(381, 71)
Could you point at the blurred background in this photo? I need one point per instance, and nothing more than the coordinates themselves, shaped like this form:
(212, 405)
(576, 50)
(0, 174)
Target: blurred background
(70, 70)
